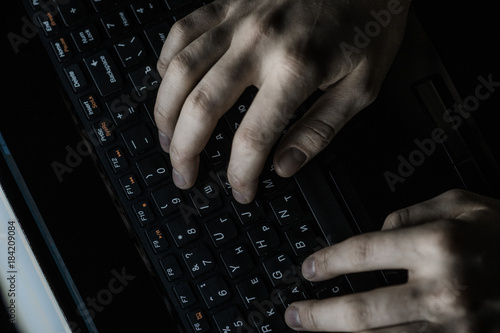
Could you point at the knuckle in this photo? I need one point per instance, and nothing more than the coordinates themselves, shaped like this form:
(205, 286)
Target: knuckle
(456, 195)
(200, 104)
(179, 156)
(398, 218)
(358, 314)
(318, 134)
(182, 62)
(362, 250)
(252, 137)
(309, 317)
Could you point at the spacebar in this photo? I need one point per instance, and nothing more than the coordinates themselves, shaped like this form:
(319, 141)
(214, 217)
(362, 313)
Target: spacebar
(323, 204)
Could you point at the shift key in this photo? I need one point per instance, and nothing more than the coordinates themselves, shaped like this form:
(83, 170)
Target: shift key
(104, 72)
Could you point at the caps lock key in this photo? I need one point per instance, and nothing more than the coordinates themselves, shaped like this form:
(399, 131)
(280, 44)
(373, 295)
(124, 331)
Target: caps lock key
(104, 72)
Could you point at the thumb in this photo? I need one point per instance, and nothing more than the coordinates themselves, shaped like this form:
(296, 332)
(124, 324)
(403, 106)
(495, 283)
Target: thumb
(316, 129)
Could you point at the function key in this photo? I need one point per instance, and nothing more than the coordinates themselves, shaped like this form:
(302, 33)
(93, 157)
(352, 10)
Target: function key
(75, 77)
(73, 11)
(86, 38)
(146, 11)
(130, 186)
(143, 212)
(117, 159)
(171, 267)
(184, 294)
(138, 139)
(157, 239)
(62, 49)
(116, 23)
(90, 106)
(198, 321)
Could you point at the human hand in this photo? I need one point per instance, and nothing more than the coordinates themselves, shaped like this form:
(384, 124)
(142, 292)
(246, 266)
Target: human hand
(450, 246)
(287, 49)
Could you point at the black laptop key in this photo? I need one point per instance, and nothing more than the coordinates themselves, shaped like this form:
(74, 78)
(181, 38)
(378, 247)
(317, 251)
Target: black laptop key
(293, 293)
(252, 291)
(156, 36)
(185, 294)
(143, 212)
(48, 23)
(198, 321)
(168, 199)
(153, 169)
(102, 5)
(138, 139)
(206, 198)
(231, 320)
(175, 4)
(157, 239)
(302, 239)
(76, 78)
(336, 287)
(183, 231)
(171, 267)
(264, 238)
(214, 291)
(86, 38)
(270, 182)
(145, 80)
(116, 23)
(286, 208)
(269, 320)
(104, 131)
(130, 186)
(248, 213)
(73, 11)
(222, 230)
(218, 148)
(62, 49)
(117, 159)
(198, 260)
(235, 115)
(90, 106)
(146, 11)
(104, 72)
(237, 260)
(280, 269)
(130, 50)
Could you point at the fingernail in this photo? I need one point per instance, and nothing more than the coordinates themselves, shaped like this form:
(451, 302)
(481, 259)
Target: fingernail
(238, 196)
(309, 268)
(292, 317)
(164, 141)
(178, 179)
(291, 160)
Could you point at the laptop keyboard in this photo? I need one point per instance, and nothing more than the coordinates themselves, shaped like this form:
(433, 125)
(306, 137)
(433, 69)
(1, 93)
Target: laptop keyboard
(225, 267)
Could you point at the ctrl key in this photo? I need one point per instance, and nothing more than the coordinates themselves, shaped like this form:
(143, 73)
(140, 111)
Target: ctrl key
(198, 321)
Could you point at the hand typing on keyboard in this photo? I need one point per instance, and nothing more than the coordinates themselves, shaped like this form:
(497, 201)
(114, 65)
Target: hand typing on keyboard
(449, 245)
(287, 49)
